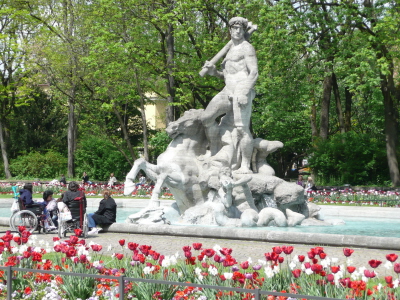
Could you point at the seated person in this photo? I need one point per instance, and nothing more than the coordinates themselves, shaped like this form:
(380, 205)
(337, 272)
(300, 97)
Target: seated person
(105, 215)
(63, 180)
(85, 179)
(49, 207)
(73, 193)
(26, 195)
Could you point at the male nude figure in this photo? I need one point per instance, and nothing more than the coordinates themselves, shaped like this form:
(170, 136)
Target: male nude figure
(240, 72)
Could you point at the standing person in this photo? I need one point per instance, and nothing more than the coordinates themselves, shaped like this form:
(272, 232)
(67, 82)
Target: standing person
(105, 215)
(112, 180)
(142, 181)
(85, 179)
(63, 180)
(300, 181)
(240, 72)
(25, 194)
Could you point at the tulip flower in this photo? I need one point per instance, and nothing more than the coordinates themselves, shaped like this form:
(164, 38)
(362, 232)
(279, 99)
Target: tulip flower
(396, 268)
(347, 252)
(197, 246)
(392, 257)
(335, 269)
(277, 250)
(287, 249)
(389, 279)
(301, 258)
(330, 277)
(296, 273)
(351, 269)
(374, 263)
(121, 242)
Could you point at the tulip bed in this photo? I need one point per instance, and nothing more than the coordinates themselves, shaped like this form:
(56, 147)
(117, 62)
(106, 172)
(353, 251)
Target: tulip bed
(315, 273)
(351, 197)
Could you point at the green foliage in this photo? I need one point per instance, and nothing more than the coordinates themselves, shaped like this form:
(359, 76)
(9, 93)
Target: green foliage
(38, 165)
(350, 158)
(98, 157)
(158, 143)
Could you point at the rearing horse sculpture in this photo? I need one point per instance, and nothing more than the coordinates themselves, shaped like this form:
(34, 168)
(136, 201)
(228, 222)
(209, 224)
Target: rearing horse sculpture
(177, 167)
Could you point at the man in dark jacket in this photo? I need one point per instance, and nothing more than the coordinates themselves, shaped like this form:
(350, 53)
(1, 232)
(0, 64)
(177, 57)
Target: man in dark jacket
(105, 215)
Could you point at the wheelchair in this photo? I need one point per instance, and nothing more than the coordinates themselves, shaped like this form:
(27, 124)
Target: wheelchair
(79, 219)
(32, 217)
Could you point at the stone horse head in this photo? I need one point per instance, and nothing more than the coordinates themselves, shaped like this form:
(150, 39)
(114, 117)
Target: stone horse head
(187, 126)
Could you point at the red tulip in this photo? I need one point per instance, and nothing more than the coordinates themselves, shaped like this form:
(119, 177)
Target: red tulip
(217, 258)
(389, 279)
(330, 277)
(307, 265)
(244, 265)
(132, 246)
(374, 263)
(225, 251)
(311, 254)
(78, 231)
(277, 250)
(317, 250)
(316, 268)
(121, 242)
(197, 246)
(209, 252)
(188, 254)
(119, 256)
(314, 260)
(281, 259)
(347, 252)
(322, 255)
(287, 249)
(301, 258)
(396, 268)
(335, 269)
(351, 269)
(391, 257)
(296, 273)
(186, 248)
(369, 274)
(21, 229)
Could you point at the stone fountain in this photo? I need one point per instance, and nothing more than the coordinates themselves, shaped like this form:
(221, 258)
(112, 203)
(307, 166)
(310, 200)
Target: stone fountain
(216, 170)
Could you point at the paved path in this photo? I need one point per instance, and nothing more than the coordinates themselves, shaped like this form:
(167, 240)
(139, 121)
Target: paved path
(242, 250)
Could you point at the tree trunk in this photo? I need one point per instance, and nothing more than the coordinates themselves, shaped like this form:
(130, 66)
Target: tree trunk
(4, 153)
(144, 121)
(347, 114)
(313, 119)
(339, 110)
(391, 127)
(124, 131)
(170, 83)
(71, 135)
(326, 100)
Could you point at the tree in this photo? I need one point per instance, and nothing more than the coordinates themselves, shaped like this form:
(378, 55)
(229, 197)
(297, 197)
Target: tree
(16, 81)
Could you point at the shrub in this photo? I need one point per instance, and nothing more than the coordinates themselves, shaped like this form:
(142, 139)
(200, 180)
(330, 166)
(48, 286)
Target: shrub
(352, 158)
(36, 164)
(98, 157)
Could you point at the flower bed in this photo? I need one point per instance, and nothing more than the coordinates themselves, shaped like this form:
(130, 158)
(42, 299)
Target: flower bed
(314, 273)
(90, 190)
(351, 197)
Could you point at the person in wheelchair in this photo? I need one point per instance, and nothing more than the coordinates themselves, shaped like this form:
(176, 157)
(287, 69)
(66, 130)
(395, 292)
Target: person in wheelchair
(49, 205)
(25, 195)
(105, 215)
(73, 193)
